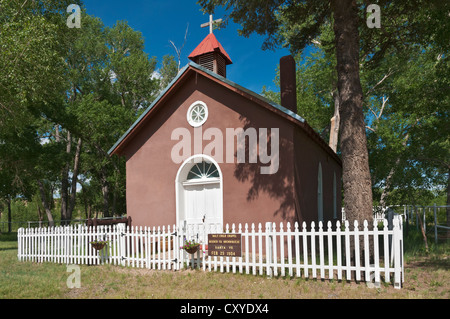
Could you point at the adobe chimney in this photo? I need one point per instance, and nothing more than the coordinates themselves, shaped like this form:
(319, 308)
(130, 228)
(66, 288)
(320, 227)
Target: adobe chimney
(288, 83)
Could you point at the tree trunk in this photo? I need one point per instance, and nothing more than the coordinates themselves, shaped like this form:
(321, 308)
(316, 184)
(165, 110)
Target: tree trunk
(387, 186)
(114, 203)
(76, 168)
(40, 215)
(45, 204)
(422, 229)
(105, 192)
(357, 184)
(65, 184)
(448, 203)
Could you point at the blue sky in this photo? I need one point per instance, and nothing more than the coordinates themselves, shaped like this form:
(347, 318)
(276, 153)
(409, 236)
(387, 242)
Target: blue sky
(162, 20)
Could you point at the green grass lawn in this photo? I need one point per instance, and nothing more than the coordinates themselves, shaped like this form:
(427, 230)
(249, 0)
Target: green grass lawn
(427, 276)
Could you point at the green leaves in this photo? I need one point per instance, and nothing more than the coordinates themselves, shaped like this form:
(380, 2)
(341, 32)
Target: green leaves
(66, 96)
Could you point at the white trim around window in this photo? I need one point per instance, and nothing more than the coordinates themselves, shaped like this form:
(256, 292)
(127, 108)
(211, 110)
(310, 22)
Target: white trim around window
(197, 114)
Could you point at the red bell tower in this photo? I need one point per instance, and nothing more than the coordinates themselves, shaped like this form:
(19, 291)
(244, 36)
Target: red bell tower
(210, 54)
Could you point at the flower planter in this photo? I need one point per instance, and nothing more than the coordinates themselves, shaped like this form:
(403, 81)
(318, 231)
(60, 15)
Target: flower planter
(193, 249)
(98, 246)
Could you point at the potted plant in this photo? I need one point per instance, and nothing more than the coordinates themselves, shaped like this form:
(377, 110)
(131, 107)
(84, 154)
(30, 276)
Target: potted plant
(99, 244)
(190, 246)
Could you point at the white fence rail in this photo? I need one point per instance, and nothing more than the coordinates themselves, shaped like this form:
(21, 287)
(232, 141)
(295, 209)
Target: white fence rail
(342, 253)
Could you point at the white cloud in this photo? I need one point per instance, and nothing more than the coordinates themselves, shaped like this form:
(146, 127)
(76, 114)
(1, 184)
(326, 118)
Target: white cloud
(155, 75)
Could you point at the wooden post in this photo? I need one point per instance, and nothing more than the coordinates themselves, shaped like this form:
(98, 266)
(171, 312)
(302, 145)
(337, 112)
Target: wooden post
(435, 225)
(269, 243)
(397, 253)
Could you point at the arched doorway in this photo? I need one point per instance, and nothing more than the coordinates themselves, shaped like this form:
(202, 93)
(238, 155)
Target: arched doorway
(199, 192)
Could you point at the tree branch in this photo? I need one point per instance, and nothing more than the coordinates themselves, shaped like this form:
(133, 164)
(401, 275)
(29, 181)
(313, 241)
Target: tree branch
(371, 129)
(382, 107)
(390, 72)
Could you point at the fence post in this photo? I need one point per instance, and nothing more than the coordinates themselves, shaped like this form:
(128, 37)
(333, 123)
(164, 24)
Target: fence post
(366, 251)
(347, 250)
(376, 255)
(321, 251)
(339, 250)
(435, 225)
(390, 220)
(330, 250)
(19, 235)
(269, 248)
(305, 250)
(397, 253)
(274, 255)
(123, 249)
(313, 250)
(357, 251)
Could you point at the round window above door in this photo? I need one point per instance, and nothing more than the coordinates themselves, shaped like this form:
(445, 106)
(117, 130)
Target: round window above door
(197, 114)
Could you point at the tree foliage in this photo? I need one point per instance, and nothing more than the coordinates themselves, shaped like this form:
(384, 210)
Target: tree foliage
(406, 110)
(66, 96)
(403, 71)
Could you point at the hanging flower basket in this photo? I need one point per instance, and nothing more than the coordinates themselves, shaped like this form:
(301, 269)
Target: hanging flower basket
(192, 250)
(99, 244)
(190, 246)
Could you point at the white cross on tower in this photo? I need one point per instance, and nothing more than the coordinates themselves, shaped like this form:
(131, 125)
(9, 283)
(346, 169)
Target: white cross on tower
(210, 23)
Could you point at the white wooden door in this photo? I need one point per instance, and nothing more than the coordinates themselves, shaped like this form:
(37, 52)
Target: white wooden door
(202, 202)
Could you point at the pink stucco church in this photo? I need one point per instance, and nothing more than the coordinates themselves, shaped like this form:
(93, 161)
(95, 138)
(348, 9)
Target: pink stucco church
(208, 150)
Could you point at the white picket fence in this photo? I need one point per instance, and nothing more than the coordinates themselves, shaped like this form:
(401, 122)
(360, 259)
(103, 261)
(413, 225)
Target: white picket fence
(338, 253)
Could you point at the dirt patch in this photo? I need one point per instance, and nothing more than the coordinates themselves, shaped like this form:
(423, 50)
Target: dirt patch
(428, 277)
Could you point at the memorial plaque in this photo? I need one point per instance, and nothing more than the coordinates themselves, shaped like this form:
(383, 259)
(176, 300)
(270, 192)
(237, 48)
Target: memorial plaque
(225, 245)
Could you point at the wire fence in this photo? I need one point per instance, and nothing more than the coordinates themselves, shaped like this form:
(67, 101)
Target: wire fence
(13, 226)
(433, 218)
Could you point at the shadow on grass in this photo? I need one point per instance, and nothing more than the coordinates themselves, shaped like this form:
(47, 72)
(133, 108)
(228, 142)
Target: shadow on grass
(5, 237)
(431, 263)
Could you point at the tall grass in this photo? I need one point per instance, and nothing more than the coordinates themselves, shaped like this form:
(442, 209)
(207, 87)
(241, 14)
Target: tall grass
(414, 245)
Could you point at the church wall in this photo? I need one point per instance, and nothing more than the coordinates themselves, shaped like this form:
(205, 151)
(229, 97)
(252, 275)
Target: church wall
(151, 172)
(248, 196)
(307, 157)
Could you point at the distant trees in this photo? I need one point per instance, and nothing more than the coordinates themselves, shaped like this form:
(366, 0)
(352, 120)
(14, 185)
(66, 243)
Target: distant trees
(66, 96)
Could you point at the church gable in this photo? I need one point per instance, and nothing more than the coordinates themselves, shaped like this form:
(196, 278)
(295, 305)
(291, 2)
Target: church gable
(196, 78)
(171, 122)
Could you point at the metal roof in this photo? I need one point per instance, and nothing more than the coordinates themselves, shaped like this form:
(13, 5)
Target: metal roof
(210, 44)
